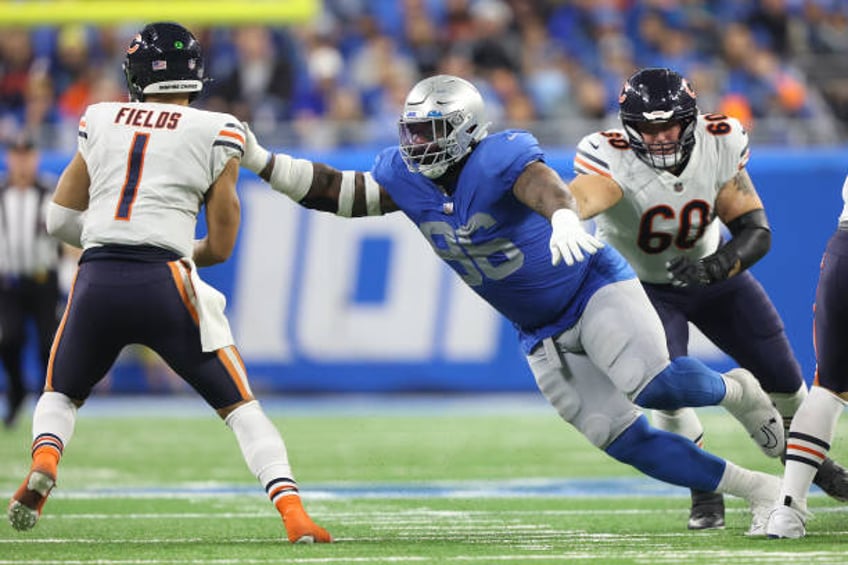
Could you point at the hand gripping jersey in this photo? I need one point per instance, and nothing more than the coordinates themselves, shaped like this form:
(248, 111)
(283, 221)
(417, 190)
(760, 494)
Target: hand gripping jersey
(662, 215)
(150, 166)
(496, 244)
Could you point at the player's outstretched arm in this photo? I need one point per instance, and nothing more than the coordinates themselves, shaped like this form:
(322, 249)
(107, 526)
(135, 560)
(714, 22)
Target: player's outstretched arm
(315, 185)
(594, 194)
(539, 187)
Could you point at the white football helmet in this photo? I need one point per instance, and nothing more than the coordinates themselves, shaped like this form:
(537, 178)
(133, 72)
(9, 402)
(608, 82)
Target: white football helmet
(441, 122)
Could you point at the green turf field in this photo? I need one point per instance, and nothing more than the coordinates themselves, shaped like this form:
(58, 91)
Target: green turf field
(423, 483)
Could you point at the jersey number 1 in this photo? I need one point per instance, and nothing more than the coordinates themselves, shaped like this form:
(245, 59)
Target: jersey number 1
(135, 162)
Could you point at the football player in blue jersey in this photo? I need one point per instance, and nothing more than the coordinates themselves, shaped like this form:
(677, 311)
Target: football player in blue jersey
(508, 225)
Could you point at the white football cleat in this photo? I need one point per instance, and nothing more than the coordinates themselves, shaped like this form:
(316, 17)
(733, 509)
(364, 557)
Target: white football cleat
(756, 412)
(761, 501)
(786, 522)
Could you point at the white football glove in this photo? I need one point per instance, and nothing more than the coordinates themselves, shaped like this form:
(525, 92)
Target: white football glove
(255, 156)
(569, 240)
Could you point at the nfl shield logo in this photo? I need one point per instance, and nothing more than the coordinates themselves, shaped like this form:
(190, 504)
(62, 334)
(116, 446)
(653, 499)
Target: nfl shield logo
(678, 187)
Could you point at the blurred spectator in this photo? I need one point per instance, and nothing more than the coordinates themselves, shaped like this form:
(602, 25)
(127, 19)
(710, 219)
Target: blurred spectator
(261, 82)
(458, 25)
(294, 81)
(827, 24)
(29, 260)
(495, 45)
(422, 38)
(545, 68)
(327, 110)
(376, 65)
(72, 74)
(770, 23)
(16, 64)
(519, 110)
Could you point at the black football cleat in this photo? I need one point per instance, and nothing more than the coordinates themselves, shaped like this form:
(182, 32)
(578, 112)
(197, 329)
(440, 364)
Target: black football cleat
(707, 511)
(832, 478)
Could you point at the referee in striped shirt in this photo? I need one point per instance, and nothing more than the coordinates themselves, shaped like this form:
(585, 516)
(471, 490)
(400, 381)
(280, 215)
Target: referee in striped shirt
(29, 259)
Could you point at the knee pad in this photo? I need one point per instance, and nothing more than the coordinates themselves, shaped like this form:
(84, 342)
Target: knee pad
(684, 382)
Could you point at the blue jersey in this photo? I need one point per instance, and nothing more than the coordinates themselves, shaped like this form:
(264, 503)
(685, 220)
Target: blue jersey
(499, 246)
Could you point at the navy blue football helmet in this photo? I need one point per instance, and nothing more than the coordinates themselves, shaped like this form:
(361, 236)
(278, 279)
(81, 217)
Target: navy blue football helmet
(659, 96)
(164, 58)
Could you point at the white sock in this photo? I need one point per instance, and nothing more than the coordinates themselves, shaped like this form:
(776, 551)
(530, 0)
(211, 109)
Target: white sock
(787, 403)
(809, 441)
(752, 486)
(733, 392)
(263, 449)
(735, 480)
(54, 418)
(682, 422)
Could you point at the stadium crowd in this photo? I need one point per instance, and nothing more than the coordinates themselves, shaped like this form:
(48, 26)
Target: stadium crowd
(555, 67)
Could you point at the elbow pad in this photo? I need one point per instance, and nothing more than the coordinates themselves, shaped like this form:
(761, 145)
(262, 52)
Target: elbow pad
(751, 237)
(65, 224)
(750, 242)
(292, 177)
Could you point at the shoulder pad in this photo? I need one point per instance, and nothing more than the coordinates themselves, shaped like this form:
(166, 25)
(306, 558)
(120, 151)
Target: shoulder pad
(597, 153)
(729, 135)
(499, 152)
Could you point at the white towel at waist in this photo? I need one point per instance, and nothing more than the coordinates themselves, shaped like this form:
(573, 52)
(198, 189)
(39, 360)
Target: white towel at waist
(209, 303)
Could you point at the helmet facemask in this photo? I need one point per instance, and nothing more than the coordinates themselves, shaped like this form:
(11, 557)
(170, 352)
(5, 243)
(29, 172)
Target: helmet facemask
(440, 124)
(432, 145)
(664, 155)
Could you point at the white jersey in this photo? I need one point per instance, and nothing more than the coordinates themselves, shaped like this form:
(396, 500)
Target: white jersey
(843, 217)
(150, 166)
(661, 215)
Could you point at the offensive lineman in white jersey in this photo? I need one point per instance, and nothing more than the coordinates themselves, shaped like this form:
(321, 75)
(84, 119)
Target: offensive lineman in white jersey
(658, 190)
(130, 198)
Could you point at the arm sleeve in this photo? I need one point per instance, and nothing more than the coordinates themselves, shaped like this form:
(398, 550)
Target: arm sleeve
(65, 224)
(750, 242)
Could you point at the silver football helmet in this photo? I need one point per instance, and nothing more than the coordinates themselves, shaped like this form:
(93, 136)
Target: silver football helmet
(441, 122)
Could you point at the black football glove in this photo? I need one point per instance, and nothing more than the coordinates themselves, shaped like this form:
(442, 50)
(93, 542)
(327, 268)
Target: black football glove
(685, 273)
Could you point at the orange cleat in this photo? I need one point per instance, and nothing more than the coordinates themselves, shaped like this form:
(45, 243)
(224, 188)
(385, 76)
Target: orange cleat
(27, 502)
(300, 527)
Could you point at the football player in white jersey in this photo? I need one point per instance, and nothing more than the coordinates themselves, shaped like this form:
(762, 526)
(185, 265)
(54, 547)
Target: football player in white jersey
(814, 424)
(130, 198)
(658, 190)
